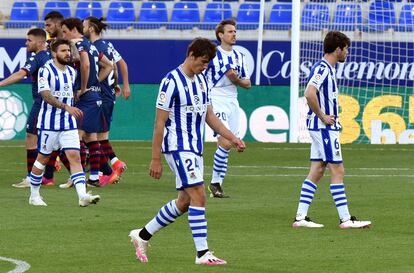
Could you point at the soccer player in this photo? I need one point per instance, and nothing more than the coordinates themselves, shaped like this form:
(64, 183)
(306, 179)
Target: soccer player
(92, 29)
(57, 125)
(94, 68)
(53, 25)
(322, 95)
(225, 73)
(36, 44)
(183, 107)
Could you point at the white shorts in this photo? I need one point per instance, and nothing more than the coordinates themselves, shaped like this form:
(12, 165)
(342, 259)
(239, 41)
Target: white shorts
(187, 167)
(325, 146)
(227, 110)
(49, 141)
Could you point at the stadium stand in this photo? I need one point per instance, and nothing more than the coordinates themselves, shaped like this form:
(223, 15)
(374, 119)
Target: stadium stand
(185, 15)
(215, 12)
(85, 9)
(61, 6)
(153, 15)
(315, 17)
(381, 16)
(280, 17)
(248, 16)
(406, 21)
(23, 15)
(121, 15)
(347, 17)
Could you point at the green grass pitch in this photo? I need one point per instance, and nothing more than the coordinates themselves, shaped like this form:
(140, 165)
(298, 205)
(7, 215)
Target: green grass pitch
(251, 230)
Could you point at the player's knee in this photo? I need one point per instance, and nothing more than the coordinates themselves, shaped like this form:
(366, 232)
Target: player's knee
(183, 204)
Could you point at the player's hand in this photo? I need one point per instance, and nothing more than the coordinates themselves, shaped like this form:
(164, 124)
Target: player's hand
(126, 91)
(328, 119)
(239, 144)
(76, 112)
(155, 170)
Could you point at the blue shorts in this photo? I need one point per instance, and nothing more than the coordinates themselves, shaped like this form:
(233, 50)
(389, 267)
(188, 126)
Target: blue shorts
(107, 109)
(92, 116)
(32, 119)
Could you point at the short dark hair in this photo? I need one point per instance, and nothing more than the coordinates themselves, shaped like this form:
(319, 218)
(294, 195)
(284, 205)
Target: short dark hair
(97, 24)
(220, 27)
(55, 44)
(201, 47)
(335, 39)
(54, 15)
(72, 23)
(38, 32)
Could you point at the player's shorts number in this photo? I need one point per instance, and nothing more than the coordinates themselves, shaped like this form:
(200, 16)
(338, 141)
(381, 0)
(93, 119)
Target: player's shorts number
(336, 143)
(221, 116)
(189, 164)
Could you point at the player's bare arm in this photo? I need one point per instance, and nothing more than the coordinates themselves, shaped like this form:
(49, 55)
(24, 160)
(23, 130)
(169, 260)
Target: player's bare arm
(74, 52)
(234, 78)
(123, 68)
(312, 99)
(50, 99)
(214, 122)
(105, 68)
(13, 78)
(161, 117)
(84, 69)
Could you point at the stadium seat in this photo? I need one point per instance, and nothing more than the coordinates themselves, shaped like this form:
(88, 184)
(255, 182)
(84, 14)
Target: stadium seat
(280, 17)
(85, 9)
(215, 12)
(229, 0)
(406, 21)
(185, 15)
(152, 15)
(61, 6)
(323, 1)
(256, 0)
(121, 15)
(23, 15)
(347, 17)
(381, 16)
(248, 16)
(315, 17)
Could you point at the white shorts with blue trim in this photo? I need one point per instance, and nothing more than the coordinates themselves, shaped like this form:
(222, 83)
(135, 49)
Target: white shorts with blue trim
(326, 146)
(227, 110)
(188, 168)
(49, 141)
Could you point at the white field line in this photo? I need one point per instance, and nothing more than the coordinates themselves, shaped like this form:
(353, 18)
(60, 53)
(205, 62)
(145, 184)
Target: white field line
(21, 266)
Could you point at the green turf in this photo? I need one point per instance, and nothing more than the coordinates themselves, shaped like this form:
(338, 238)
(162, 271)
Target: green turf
(251, 230)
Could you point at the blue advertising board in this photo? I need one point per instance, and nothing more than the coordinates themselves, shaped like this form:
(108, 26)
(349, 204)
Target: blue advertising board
(381, 63)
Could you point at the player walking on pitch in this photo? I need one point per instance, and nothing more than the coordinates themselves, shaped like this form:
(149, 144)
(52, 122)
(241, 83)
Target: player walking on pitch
(183, 107)
(322, 95)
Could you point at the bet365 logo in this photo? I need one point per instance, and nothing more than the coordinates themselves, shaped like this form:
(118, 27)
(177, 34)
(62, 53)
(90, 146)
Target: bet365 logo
(13, 114)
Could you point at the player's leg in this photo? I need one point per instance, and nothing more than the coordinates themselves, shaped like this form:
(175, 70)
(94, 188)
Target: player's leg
(70, 144)
(310, 184)
(221, 155)
(109, 175)
(337, 187)
(91, 140)
(47, 179)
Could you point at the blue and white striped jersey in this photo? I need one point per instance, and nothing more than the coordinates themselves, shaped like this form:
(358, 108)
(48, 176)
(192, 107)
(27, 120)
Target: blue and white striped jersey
(186, 100)
(322, 76)
(217, 68)
(60, 84)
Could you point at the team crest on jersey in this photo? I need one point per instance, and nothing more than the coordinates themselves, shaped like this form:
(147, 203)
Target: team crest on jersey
(66, 87)
(196, 99)
(318, 77)
(162, 97)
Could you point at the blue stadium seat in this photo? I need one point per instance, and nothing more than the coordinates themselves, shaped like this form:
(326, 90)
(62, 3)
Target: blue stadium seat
(381, 16)
(61, 6)
(152, 15)
(23, 15)
(315, 17)
(348, 17)
(280, 17)
(229, 0)
(406, 21)
(121, 15)
(85, 9)
(215, 12)
(185, 15)
(248, 16)
(256, 0)
(323, 1)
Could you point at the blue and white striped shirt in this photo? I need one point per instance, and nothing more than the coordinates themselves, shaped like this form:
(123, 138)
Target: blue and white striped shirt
(186, 100)
(217, 68)
(322, 76)
(60, 84)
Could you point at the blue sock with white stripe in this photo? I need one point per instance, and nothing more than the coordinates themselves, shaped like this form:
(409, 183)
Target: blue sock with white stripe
(341, 203)
(221, 157)
(78, 180)
(198, 225)
(306, 196)
(35, 182)
(165, 216)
